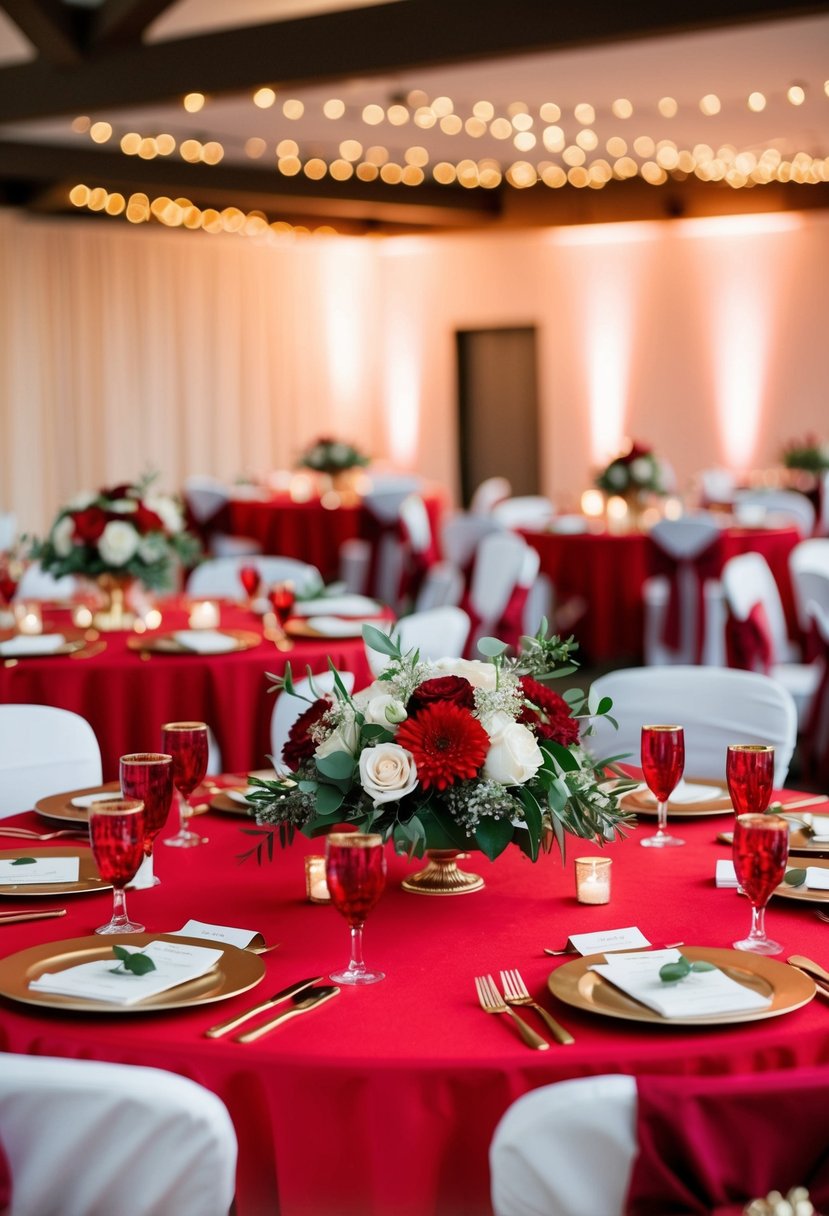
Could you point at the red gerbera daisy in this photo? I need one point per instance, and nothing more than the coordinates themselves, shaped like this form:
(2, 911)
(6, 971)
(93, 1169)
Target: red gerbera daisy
(299, 745)
(552, 718)
(447, 743)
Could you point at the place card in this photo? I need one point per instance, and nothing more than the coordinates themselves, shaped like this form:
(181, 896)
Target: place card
(697, 995)
(41, 870)
(102, 981)
(726, 875)
(605, 941)
(218, 933)
(820, 826)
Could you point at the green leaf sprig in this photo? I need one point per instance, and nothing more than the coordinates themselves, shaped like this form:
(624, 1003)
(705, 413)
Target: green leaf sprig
(24, 861)
(671, 973)
(794, 878)
(131, 962)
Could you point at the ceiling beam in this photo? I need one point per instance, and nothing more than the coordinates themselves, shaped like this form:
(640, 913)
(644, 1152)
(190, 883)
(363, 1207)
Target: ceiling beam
(380, 39)
(53, 28)
(121, 21)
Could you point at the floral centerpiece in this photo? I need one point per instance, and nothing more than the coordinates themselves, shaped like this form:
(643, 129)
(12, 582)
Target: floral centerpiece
(808, 455)
(332, 456)
(635, 471)
(444, 756)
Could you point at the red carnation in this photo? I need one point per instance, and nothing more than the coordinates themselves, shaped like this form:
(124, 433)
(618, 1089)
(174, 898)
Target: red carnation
(551, 718)
(146, 520)
(451, 690)
(447, 743)
(89, 524)
(299, 745)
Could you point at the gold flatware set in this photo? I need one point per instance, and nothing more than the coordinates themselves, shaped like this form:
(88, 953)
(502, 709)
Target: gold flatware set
(516, 993)
(304, 995)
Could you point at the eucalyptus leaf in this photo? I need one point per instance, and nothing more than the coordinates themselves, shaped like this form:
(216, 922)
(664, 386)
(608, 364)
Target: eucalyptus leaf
(136, 963)
(329, 799)
(491, 647)
(339, 766)
(671, 972)
(492, 836)
(794, 878)
(375, 639)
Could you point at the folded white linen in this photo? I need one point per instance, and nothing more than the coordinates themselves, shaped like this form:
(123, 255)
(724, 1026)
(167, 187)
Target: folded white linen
(726, 875)
(820, 827)
(103, 979)
(817, 879)
(205, 641)
(40, 870)
(688, 791)
(700, 994)
(337, 605)
(336, 627)
(87, 800)
(32, 644)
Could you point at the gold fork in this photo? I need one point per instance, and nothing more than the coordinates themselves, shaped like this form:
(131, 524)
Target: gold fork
(27, 834)
(492, 1002)
(821, 915)
(516, 993)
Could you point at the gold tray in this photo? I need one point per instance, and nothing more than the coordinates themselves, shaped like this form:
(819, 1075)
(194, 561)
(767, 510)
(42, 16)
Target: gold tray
(59, 806)
(236, 971)
(88, 877)
(165, 643)
(640, 802)
(575, 985)
(803, 893)
(75, 640)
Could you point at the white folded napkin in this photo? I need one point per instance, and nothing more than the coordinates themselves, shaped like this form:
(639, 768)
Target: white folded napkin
(688, 791)
(726, 875)
(820, 827)
(41, 870)
(205, 641)
(32, 644)
(699, 994)
(817, 879)
(337, 605)
(100, 981)
(335, 627)
(88, 800)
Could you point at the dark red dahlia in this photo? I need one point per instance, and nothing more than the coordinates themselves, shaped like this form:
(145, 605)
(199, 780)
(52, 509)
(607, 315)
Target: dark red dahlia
(299, 745)
(551, 718)
(447, 743)
(454, 690)
(89, 524)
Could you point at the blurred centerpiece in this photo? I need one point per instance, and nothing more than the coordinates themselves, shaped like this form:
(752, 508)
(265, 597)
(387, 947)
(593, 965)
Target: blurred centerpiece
(806, 459)
(634, 476)
(446, 756)
(116, 536)
(336, 462)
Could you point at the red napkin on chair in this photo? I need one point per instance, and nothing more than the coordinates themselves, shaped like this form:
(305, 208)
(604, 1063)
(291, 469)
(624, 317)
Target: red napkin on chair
(748, 643)
(709, 1145)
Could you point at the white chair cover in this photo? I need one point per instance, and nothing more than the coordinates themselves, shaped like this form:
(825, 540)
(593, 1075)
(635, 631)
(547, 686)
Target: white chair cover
(442, 584)
(204, 496)
(715, 705)
(809, 568)
(488, 493)
(823, 521)
(86, 1138)
(288, 708)
(462, 533)
(220, 575)
(37, 584)
(438, 633)
(717, 485)
(43, 750)
(683, 540)
(393, 552)
(527, 511)
(8, 530)
(788, 506)
(502, 562)
(566, 1149)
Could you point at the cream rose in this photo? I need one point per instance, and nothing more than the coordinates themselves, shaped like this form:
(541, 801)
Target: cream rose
(514, 756)
(387, 772)
(62, 534)
(118, 543)
(479, 675)
(344, 739)
(385, 710)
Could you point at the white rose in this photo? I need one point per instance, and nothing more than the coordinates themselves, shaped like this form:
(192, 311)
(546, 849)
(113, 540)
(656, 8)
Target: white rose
(479, 675)
(123, 506)
(118, 543)
(62, 535)
(167, 510)
(387, 772)
(82, 500)
(641, 470)
(344, 739)
(514, 756)
(385, 710)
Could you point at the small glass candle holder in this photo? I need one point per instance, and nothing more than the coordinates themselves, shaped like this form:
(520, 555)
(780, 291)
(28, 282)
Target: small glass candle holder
(593, 880)
(204, 615)
(316, 888)
(28, 618)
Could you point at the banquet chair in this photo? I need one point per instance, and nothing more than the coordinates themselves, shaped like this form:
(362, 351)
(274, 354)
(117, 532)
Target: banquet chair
(89, 1138)
(438, 633)
(219, 576)
(491, 490)
(681, 544)
(788, 506)
(715, 705)
(8, 530)
(822, 527)
(526, 511)
(717, 486)
(462, 533)
(809, 570)
(505, 569)
(815, 742)
(44, 750)
(204, 498)
(393, 566)
(37, 584)
(288, 708)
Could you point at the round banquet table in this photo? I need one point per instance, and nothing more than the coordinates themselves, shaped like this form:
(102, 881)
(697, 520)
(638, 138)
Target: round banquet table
(126, 697)
(607, 571)
(384, 1101)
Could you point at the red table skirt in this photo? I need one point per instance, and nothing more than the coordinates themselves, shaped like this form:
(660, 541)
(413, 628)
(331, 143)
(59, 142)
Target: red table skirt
(385, 1100)
(607, 572)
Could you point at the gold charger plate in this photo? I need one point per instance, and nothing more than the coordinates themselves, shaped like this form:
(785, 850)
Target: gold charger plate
(74, 640)
(575, 985)
(803, 893)
(800, 842)
(59, 806)
(165, 643)
(641, 802)
(236, 971)
(88, 876)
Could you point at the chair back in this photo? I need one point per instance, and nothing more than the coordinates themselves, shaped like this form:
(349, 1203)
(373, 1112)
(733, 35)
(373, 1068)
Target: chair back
(8, 530)
(715, 705)
(37, 584)
(685, 538)
(44, 750)
(488, 493)
(438, 633)
(747, 580)
(204, 496)
(219, 576)
(809, 569)
(527, 511)
(462, 533)
(788, 506)
(502, 562)
(289, 707)
(717, 486)
(674, 602)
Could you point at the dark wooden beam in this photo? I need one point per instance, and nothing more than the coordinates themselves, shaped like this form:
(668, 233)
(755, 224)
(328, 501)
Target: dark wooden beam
(122, 21)
(53, 28)
(382, 39)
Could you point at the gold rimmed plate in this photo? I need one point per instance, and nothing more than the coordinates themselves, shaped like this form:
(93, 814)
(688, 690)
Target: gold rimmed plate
(801, 843)
(73, 641)
(225, 802)
(88, 877)
(785, 891)
(574, 984)
(642, 802)
(59, 806)
(299, 628)
(166, 643)
(236, 971)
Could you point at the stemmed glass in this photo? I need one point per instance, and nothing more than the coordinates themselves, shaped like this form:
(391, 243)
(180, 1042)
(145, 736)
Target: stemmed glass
(250, 578)
(149, 776)
(663, 761)
(749, 771)
(116, 833)
(186, 742)
(760, 850)
(282, 598)
(355, 870)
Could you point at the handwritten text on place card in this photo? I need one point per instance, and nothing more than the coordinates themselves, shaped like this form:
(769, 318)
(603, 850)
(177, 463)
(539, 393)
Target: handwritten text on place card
(217, 933)
(42, 870)
(607, 940)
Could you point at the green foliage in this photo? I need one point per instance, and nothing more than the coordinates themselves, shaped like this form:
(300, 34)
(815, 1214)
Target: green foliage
(794, 878)
(134, 963)
(671, 973)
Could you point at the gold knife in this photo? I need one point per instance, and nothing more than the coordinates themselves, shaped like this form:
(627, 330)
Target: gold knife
(229, 1024)
(312, 998)
(15, 917)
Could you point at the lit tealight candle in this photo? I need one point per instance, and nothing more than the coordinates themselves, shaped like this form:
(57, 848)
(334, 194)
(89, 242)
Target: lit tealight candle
(29, 618)
(316, 888)
(617, 513)
(592, 504)
(593, 880)
(204, 615)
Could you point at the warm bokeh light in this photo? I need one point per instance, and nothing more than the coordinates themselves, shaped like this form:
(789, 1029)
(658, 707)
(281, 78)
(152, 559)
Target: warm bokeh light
(193, 102)
(756, 102)
(667, 107)
(100, 132)
(592, 503)
(622, 108)
(796, 95)
(334, 108)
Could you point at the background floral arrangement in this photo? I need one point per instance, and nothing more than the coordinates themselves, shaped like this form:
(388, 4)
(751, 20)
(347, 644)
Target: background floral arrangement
(637, 469)
(452, 754)
(808, 454)
(123, 530)
(331, 456)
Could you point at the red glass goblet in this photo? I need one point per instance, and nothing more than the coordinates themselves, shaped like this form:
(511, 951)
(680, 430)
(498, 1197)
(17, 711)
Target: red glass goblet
(187, 743)
(148, 776)
(282, 597)
(116, 833)
(251, 579)
(355, 870)
(760, 851)
(749, 770)
(663, 762)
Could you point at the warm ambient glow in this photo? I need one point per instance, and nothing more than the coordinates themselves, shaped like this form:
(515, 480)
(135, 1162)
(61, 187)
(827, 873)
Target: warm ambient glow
(592, 504)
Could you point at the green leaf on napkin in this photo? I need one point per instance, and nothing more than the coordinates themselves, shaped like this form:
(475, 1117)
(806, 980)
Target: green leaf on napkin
(24, 861)
(138, 964)
(671, 973)
(794, 878)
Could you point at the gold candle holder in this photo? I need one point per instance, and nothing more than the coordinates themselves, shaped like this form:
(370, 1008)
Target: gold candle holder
(593, 880)
(316, 888)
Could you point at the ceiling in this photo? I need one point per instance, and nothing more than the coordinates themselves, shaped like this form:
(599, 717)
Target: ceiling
(529, 156)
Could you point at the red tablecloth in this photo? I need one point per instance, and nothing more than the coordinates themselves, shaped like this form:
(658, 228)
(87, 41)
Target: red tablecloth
(385, 1100)
(126, 698)
(607, 573)
(310, 530)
